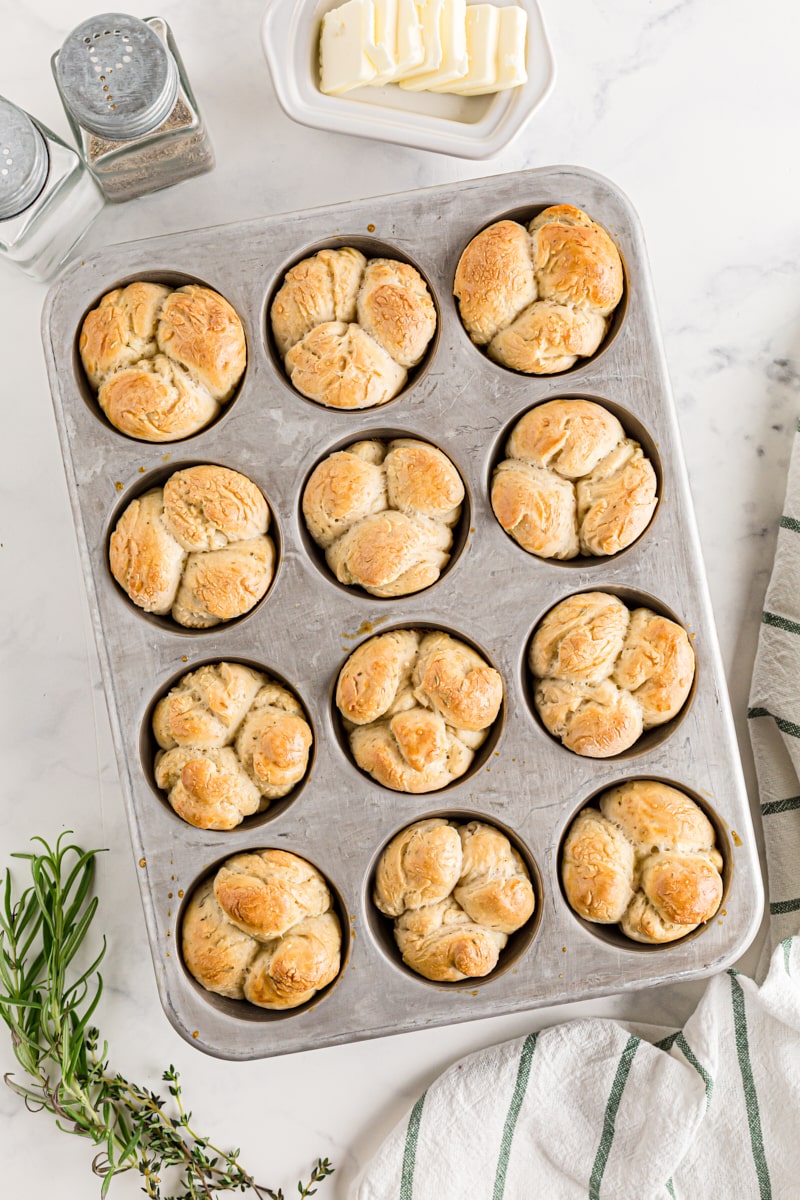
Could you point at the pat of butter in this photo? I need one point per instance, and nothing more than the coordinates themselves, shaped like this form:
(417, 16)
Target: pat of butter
(344, 63)
(454, 60)
(381, 43)
(410, 46)
(483, 31)
(511, 70)
(430, 14)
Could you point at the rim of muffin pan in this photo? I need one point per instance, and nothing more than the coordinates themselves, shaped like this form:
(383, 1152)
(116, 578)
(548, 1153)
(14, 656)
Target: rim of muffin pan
(370, 247)
(523, 215)
(482, 754)
(149, 747)
(611, 935)
(632, 598)
(243, 1010)
(146, 481)
(168, 278)
(381, 927)
(461, 529)
(633, 428)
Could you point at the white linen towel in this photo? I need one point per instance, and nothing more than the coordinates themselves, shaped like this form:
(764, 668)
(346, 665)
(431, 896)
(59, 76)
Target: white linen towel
(587, 1111)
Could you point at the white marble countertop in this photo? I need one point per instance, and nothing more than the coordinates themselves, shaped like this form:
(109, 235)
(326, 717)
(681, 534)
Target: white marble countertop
(691, 109)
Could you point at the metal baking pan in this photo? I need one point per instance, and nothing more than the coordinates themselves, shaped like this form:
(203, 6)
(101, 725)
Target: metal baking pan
(493, 595)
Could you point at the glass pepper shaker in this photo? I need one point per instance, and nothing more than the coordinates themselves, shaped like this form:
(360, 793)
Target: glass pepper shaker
(130, 105)
(47, 197)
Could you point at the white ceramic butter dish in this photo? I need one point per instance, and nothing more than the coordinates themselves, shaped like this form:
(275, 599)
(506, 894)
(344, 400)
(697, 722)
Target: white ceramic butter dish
(473, 127)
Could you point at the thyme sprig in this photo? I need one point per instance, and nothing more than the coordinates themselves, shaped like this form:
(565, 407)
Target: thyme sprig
(48, 1001)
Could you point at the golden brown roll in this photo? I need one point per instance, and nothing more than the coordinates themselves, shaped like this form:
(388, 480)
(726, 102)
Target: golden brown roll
(395, 308)
(604, 674)
(539, 298)
(163, 361)
(572, 483)
(349, 329)
(317, 290)
(456, 893)
(383, 512)
(647, 860)
(263, 930)
(416, 706)
(196, 548)
(421, 865)
(494, 888)
(341, 366)
(232, 740)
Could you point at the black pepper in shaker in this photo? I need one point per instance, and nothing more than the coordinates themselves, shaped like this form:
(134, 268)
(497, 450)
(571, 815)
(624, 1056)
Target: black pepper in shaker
(132, 110)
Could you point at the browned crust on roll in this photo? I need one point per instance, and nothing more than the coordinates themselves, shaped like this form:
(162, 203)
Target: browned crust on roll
(162, 361)
(647, 860)
(603, 674)
(540, 298)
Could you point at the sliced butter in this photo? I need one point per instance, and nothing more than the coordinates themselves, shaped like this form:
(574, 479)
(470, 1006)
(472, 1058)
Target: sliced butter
(381, 43)
(410, 46)
(344, 63)
(511, 55)
(483, 30)
(454, 61)
(430, 14)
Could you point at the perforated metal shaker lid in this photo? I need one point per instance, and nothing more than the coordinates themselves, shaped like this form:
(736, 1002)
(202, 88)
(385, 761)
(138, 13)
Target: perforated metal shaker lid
(24, 160)
(117, 76)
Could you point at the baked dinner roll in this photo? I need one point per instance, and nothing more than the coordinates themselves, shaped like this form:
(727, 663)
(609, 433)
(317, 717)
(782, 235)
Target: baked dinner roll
(348, 330)
(646, 860)
(196, 548)
(384, 514)
(231, 740)
(604, 674)
(572, 482)
(263, 929)
(539, 298)
(456, 893)
(416, 706)
(163, 361)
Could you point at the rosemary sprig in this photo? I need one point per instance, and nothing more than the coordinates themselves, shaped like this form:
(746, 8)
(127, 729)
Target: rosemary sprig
(47, 1003)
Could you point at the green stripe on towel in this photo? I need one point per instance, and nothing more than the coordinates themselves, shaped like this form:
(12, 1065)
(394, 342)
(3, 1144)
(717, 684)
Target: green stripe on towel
(771, 618)
(410, 1152)
(690, 1057)
(523, 1074)
(784, 726)
(609, 1120)
(780, 806)
(790, 523)
(784, 906)
(671, 1188)
(749, 1086)
(787, 954)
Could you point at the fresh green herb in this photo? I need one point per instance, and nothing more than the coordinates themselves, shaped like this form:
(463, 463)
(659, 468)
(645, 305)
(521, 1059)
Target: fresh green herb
(47, 1002)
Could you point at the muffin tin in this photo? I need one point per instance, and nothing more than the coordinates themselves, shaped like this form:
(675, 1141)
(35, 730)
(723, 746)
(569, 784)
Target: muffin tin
(492, 596)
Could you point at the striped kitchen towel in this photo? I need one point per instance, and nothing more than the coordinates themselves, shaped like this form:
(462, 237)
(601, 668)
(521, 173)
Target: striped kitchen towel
(587, 1111)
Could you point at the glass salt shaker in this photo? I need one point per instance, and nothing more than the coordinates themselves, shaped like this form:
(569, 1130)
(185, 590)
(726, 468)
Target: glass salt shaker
(130, 105)
(47, 197)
